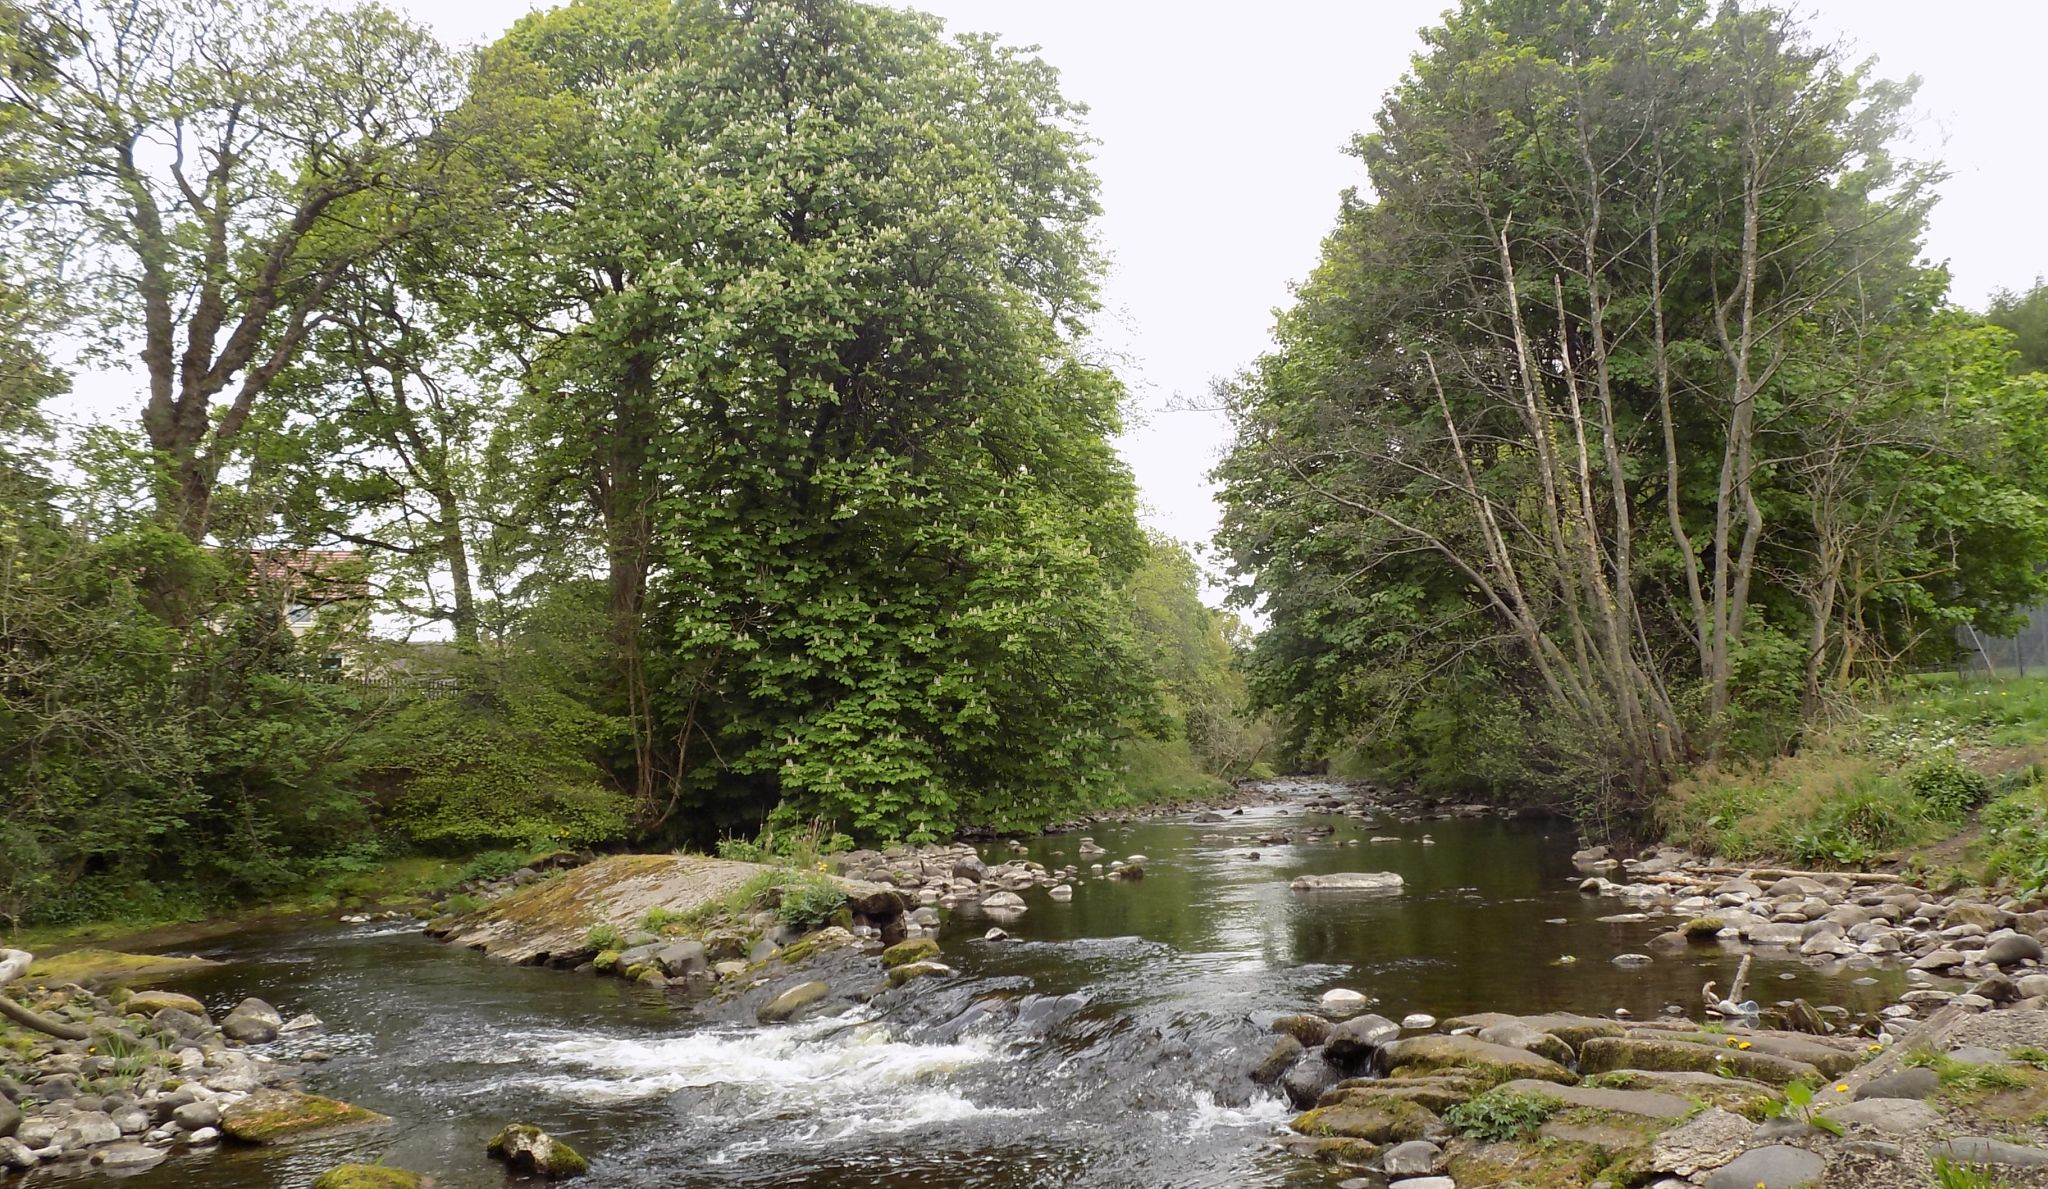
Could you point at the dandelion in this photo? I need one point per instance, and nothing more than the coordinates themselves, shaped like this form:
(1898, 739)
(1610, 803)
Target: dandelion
(1743, 1045)
(1841, 1087)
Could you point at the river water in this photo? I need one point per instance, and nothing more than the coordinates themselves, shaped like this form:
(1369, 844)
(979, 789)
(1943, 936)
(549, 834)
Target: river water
(1105, 1046)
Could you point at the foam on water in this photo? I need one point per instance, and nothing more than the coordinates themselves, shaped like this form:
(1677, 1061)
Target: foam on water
(813, 1063)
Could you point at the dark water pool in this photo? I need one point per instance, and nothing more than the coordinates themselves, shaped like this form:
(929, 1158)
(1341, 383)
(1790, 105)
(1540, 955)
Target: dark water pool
(1104, 1046)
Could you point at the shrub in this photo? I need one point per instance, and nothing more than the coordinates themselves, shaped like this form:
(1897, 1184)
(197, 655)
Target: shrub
(1500, 1115)
(808, 902)
(1948, 788)
(490, 865)
(604, 937)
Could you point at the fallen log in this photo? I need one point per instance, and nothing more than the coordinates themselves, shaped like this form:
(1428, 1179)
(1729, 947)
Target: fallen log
(14, 964)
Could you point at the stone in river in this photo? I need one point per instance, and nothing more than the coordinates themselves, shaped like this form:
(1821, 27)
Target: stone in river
(526, 1148)
(1343, 1001)
(1003, 902)
(252, 1022)
(2016, 947)
(792, 1001)
(1349, 881)
(1414, 1158)
(1418, 1021)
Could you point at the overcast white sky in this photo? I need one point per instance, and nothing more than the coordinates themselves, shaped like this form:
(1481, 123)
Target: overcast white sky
(1221, 131)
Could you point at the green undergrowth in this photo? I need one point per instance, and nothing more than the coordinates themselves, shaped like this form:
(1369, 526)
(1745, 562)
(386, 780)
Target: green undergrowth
(1500, 1115)
(403, 880)
(1892, 777)
(1151, 771)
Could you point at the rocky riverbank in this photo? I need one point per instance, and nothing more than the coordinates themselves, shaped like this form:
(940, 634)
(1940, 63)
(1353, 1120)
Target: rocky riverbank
(152, 1073)
(1726, 1093)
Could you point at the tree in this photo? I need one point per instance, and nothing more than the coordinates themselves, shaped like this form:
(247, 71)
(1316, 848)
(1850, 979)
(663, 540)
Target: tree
(820, 397)
(213, 172)
(2026, 316)
(1192, 651)
(1632, 307)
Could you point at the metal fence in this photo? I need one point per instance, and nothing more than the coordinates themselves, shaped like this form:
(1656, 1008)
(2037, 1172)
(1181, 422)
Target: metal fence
(2006, 656)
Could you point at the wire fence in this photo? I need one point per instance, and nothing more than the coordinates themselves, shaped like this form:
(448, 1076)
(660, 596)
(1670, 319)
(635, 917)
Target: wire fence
(2018, 655)
(404, 685)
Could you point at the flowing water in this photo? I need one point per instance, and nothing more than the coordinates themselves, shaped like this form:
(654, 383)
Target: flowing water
(1105, 1046)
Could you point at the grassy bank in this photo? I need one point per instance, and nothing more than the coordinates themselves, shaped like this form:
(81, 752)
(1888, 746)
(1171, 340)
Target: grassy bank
(405, 881)
(1943, 778)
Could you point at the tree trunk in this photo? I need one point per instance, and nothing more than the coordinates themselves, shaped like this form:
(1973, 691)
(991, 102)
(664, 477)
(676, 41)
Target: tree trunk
(14, 964)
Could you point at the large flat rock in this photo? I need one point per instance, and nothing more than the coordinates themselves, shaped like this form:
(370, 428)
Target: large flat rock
(1349, 881)
(552, 918)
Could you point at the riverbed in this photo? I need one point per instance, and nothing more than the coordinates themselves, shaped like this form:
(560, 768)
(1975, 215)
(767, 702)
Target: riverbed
(1104, 1044)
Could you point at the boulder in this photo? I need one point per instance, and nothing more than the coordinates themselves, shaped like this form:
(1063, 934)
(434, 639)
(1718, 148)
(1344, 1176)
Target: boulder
(899, 975)
(527, 1149)
(786, 1005)
(1648, 1104)
(1606, 1053)
(1308, 1078)
(1891, 1116)
(1309, 1030)
(1003, 902)
(148, 1003)
(252, 1022)
(1977, 1149)
(1278, 1060)
(369, 1176)
(1380, 1122)
(194, 1115)
(1352, 1041)
(917, 949)
(10, 1117)
(1349, 881)
(1411, 1158)
(1914, 1082)
(2012, 949)
(1777, 1167)
(1427, 1054)
(272, 1116)
(1343, 1001)
(680, 958)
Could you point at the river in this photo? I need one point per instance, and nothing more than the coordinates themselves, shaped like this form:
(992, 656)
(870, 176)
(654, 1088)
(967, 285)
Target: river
(1104, 1046)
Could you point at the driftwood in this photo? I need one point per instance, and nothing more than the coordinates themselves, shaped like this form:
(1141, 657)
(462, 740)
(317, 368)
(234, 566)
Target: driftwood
(14, 964)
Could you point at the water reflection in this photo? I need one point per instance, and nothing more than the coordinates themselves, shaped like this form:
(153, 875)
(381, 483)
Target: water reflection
(1104, 1046)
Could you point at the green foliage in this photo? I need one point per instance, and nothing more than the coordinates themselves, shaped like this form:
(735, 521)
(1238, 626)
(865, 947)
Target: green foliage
(1525, 508)
(1950, 1174)
(491, 864)
(602, 938)
(1969, 1076)
(805, 847)
(1499, 1116)
(878, 537)
(1949, 788)
(2025, 315)
(808, 902)
(1192, 650)
(1798, 1104)
(658, 920)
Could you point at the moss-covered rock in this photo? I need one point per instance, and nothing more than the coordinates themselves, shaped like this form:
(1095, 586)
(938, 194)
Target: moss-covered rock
(1309, 1030)
(606, 962)
(1491, 1062)
(1606, 1053)
(273, 1116)
(1703, 928)
(103, 968)
(1552, 1165)
(526, 1148)
(148, 1003)
(917, 949)
(1384, 1121)
(916, 970)
(1438, 1092)
(786, 1005)
(1738, 1096)
(369, 1176)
